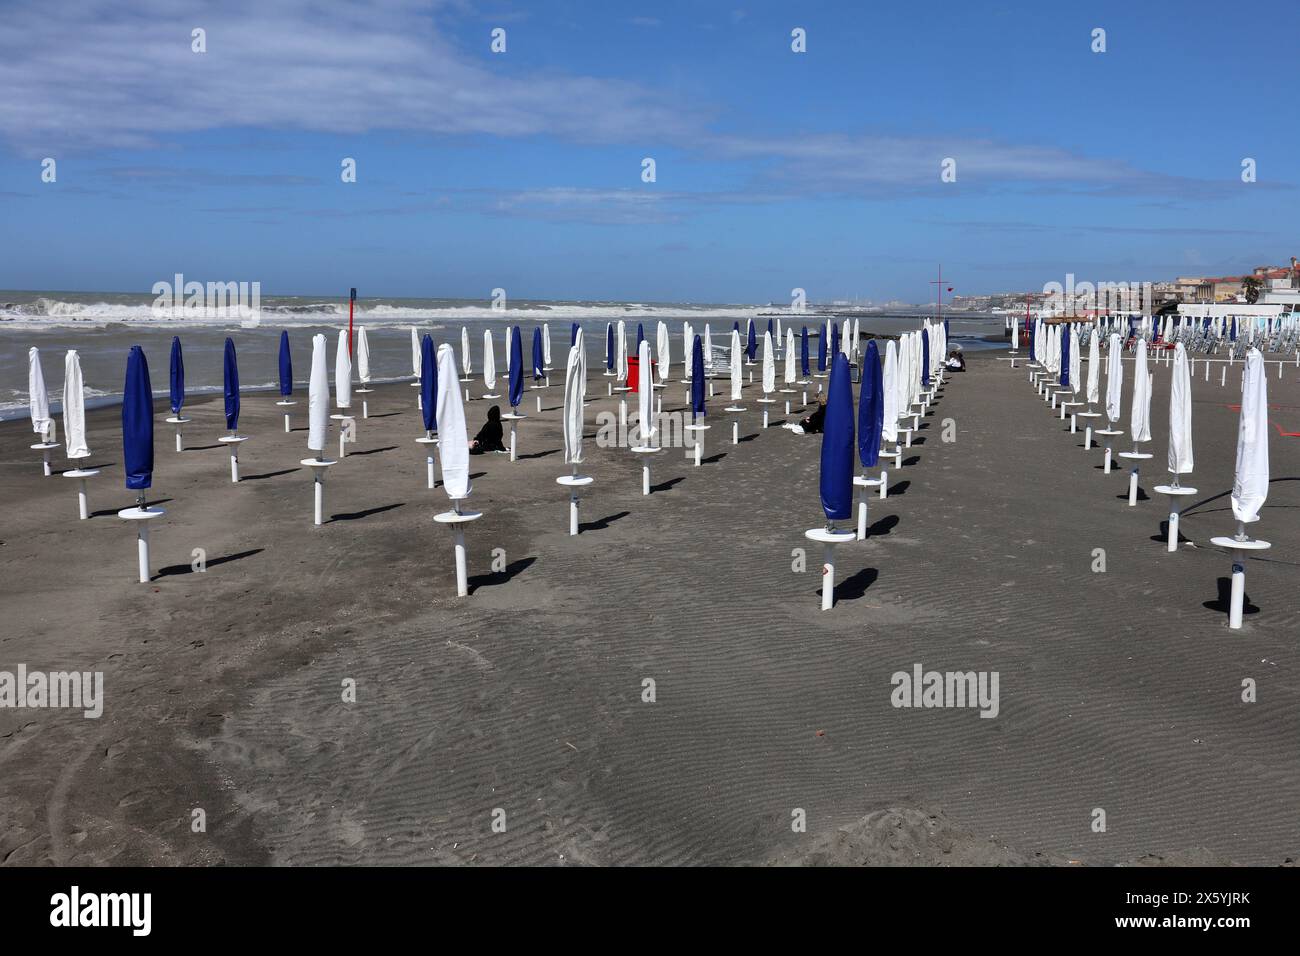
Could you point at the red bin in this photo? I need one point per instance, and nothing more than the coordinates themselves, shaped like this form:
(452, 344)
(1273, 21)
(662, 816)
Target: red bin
(634, 372)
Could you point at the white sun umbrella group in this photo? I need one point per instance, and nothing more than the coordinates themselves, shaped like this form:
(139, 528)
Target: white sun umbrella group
(39, 407)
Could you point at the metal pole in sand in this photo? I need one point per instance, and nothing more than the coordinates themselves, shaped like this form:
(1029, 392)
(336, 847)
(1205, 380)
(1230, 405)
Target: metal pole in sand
(698, 431)
(1108, 434)
(863, 482)
(318, 468)
(645, 451)
(1173, 490)
(45, 447)
(513, 418)
(347, 432)
(178, 422)
(365, 404)
(1239, 545)
(734, 411)
(1134, 456)
(233, 441)
(573, 482)
(141, 515)
(428, 441)
(83, 500)
(457, 519)
(829, 536)
(1087, 432)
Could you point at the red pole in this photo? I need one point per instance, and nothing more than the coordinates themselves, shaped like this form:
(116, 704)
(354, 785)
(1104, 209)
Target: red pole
(352, 298)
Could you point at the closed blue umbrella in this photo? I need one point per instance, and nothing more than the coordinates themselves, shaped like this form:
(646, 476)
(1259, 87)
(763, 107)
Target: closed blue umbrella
(640, 337)
(539, 369)
(803, 352)
(835, 341)
(1065, 356)
(871, 408)
(428, 384)
(516, 368)
(609, 346)
(697, 377)
(231, 387)
(752, 344)
(177, 376)
(137, 422)
(573, 335)
(821, 349)
(1232, 332)
(286, 366)
(946, 335)
(837, 444)
(771, 330)
(925, 359)
(735, 326)
(1033, 352)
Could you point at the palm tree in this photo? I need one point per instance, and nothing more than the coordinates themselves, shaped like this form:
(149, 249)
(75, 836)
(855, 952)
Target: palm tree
(1251, 286)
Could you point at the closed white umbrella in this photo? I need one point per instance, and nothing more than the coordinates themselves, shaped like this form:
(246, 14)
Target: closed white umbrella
(505, 348)
(489, 365)
(342, 372)
(661, 351)
(575, 392)
(1094, 368)
(769, 375)
(465, 365)
(856, 346)
(415, 353)
(454, 457)
(736, 373)
(620, 350)
(38, 398)
(74, 407)
(645, 395)
(1140, 410)
(1250, 481)
(688, 340)
(889, 425)
(318, 406)
(1114, 378)
(790, 374)
(546, 345)
(1076, 361)
(708, 347)
(1015, 334)
(1180, 414)
(363, 355)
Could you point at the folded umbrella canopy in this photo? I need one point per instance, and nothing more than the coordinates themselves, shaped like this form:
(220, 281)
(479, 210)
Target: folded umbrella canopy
(546, 346)
(516, 368)
(489, 362)
(1066, 366)
(708, 345)
(74, 407)
(821, 349)
(39, 399)
(857, 339)
(640, 337)
(318, 397)
(769, 365)
(137, 421)
(661, 351)
(453, 444)
(1114, 378)
(465, 364)
(575, 388)
(837, 444)
(1076, 360)
(1094, 368)
(645, 394)
(790, 375)
(697, 378)
(286, 368)
(736, 384)
(1033, 352)
(230, 368)
(343, 372)
(835, 339)
(889, 386)
(803, 353)
(609, 346)
(415, 352)
(178, 372)
(363, 356)
(620, 352)
(871, 408)
(1180, 414)
(1250, 480)
(539, 356)
(573, 334)
(428, 384)
(1140, 411)
(751, 343)
(688, 336)
(925, 358)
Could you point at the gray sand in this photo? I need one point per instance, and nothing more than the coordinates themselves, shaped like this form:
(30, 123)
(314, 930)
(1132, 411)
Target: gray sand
(1119, 690)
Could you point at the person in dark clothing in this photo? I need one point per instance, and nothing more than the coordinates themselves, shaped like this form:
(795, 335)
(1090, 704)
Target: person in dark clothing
(813, 424)
(489, 436)
(956, 361)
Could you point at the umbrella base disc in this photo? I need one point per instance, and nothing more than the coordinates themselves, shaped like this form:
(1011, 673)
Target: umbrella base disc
(140, 514)
(181, 421)
(79, 473)
(830, 537)
(1171, 490)
(644, 450)
(1135, 455)
(574, 481)
(457, 517)
(1254, 544)
(863, 482)
(232, 439)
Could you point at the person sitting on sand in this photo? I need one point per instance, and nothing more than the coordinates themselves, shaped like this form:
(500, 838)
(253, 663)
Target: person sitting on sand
(489, 436)
(813, 424)
(956, 362)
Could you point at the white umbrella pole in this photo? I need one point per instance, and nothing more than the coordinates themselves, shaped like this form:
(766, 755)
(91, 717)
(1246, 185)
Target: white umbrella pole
(233, 442)
(141, 516)
(862, 515)
(83, 499)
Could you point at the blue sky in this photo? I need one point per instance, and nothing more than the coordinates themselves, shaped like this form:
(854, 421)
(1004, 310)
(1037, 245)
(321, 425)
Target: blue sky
(522, 170)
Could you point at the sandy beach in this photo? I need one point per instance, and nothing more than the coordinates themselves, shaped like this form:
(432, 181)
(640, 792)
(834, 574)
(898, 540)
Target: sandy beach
(224, 688)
